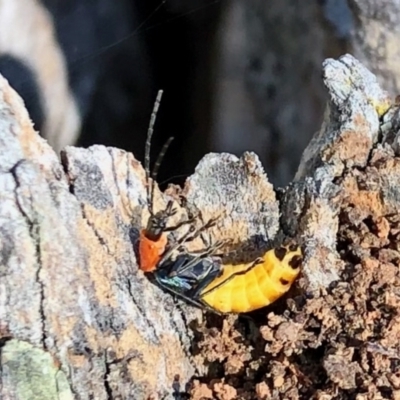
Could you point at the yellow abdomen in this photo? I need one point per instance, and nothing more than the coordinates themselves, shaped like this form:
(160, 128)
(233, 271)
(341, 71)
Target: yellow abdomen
(247, 287)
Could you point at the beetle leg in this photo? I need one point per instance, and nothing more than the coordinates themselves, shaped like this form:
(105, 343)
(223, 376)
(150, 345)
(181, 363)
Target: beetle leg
(217, 245)
(176, 246)
(177, 226)
(187, 238)
(210, 223)
(206, 241)
(208, 252)
(169, 211)
(208, 308)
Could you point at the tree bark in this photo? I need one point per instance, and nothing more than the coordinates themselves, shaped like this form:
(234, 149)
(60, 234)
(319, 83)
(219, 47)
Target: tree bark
(79, 320)
(71, 296)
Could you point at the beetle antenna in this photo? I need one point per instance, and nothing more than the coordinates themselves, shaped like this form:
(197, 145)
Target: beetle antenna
(157, 165)
(150, 130)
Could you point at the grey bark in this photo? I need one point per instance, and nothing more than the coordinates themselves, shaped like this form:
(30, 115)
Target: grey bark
(71, 295)
(72, 300)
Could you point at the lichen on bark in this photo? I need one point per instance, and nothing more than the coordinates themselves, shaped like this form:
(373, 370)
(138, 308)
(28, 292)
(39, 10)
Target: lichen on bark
(71, 291)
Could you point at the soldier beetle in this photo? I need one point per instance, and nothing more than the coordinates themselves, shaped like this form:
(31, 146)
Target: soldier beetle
(201, 278)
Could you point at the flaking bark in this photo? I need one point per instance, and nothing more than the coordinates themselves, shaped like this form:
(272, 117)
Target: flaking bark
(73, 301)
(70, 285)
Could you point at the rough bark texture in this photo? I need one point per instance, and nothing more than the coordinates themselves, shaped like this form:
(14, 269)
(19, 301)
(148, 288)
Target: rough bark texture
(338, 335)
(78, 320)
(70, 286)
(68, 276)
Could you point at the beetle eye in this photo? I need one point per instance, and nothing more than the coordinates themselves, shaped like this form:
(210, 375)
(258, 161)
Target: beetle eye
(284, 281)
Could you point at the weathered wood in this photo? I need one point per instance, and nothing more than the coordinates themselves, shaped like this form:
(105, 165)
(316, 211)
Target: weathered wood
(73, 301)
(343, 145)
(70, 286)
(69, 283)
(338, 334)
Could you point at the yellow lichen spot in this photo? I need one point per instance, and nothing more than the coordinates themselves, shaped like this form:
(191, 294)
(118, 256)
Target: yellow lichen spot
(381, 106)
